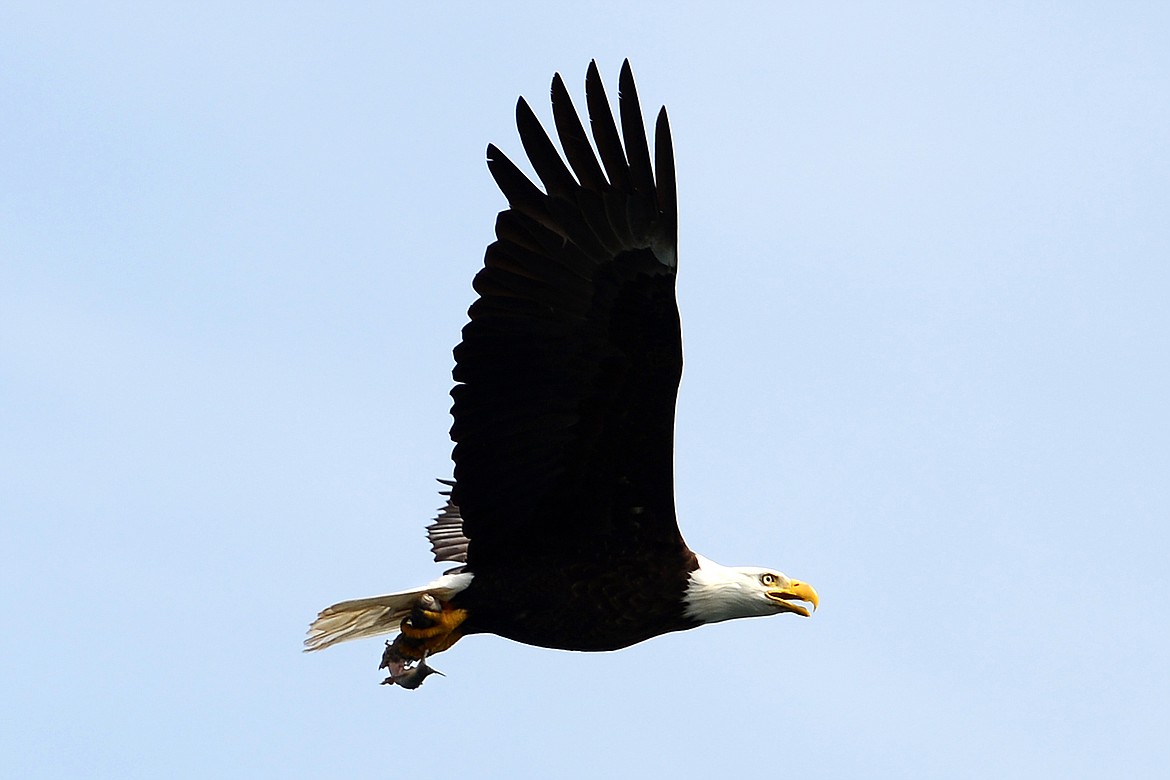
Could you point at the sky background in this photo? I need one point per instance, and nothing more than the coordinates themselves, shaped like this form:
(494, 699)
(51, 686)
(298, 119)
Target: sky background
(924, 280)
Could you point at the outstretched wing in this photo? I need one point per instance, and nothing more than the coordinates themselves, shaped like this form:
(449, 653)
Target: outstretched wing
(568, 370)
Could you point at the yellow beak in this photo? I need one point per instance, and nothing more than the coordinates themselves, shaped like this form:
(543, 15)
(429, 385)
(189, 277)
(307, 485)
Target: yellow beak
(796, 591)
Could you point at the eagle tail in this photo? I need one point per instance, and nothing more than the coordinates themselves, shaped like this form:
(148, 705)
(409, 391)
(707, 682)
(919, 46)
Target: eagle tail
(361, 618)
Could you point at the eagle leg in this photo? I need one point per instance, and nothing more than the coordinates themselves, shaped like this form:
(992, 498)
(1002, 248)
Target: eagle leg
(431, 627)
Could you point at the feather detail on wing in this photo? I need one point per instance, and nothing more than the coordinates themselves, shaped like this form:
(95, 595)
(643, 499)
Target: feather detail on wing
(568, 371)
(446, 532)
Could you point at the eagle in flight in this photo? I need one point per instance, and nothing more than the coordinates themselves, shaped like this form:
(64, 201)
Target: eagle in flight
(560, 517)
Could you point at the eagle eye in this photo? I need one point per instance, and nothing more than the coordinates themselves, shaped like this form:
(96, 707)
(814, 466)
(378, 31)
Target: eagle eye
(768, 579)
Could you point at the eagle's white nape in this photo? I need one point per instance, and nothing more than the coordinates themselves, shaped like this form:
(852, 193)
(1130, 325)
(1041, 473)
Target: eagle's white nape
(716, 592)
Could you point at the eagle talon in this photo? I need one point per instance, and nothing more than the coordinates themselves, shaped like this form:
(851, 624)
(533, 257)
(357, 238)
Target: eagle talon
(428, 619)
(405, 657)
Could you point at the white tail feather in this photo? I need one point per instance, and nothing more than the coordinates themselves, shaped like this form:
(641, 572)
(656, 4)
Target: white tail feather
(361, 618)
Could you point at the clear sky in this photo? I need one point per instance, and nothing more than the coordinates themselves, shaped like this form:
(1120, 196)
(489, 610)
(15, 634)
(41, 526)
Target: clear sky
(924, 279)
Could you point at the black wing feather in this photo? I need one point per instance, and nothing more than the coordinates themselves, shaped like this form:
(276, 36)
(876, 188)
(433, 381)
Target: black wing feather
(573, 139)
(551, 169)
(605, 132)
(667, 188)
(568, 370)
(634, 132)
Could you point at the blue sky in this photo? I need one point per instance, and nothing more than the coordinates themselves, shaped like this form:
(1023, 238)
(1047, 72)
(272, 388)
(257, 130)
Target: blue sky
(923, 277)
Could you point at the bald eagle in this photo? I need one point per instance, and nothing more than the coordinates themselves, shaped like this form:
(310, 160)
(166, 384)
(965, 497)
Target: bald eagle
(561, 513)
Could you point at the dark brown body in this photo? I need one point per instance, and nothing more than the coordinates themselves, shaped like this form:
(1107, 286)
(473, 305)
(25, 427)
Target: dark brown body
(579, 607)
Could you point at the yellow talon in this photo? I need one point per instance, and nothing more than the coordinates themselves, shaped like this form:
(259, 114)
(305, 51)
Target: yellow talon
(429, 631)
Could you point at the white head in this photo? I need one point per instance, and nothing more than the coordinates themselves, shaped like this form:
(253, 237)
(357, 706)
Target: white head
(717, 592)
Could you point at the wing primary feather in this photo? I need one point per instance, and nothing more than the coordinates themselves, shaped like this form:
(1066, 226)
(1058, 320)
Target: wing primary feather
(634, 132)
(573, 139)
(540, 150)
(517, 188)
(605, 132)
(664, 167)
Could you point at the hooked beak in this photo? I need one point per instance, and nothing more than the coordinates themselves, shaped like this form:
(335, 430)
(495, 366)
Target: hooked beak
(786, 598)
